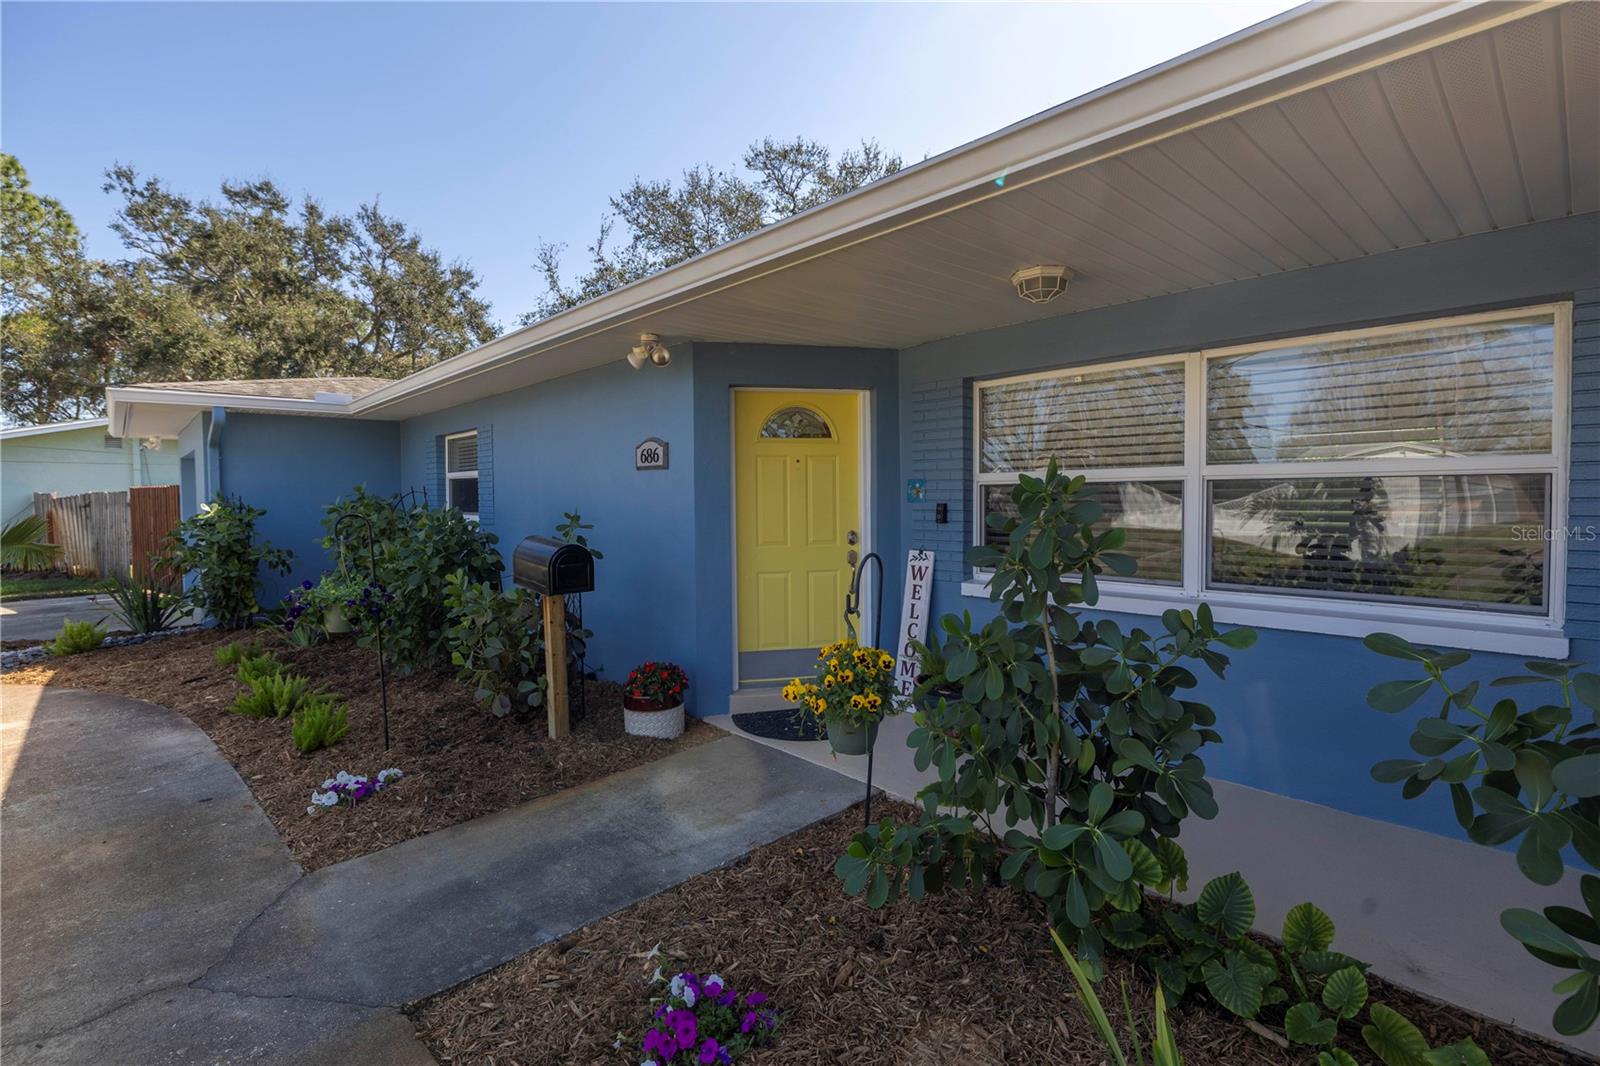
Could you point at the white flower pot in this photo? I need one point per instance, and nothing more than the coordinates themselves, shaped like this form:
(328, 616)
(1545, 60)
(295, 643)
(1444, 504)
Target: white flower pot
(664, 724)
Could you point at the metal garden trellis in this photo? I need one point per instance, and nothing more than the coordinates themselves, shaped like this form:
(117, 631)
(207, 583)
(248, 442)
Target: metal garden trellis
(372, 564)
(852, 609)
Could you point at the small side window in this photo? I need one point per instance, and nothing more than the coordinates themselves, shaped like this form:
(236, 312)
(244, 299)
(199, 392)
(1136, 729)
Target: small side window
(461, 472)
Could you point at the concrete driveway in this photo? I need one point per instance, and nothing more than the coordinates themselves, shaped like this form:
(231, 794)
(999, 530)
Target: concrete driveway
(134, 856)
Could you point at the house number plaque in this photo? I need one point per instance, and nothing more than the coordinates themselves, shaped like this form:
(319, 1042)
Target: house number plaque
(650, 454)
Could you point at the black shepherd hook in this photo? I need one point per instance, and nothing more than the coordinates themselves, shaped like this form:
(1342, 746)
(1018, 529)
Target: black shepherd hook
(372, 562)
(852, 609)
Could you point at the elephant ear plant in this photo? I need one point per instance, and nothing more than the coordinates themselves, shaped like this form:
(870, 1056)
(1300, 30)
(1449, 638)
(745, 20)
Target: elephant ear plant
(1066, 742)
(1525, 776)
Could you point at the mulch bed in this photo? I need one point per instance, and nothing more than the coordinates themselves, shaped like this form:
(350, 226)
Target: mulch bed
(970, 979)
(459, 761)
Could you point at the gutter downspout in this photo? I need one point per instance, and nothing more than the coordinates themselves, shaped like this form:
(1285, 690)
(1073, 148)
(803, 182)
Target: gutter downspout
(219, 419)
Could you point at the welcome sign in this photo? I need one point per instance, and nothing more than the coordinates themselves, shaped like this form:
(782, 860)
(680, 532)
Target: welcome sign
(915, 606)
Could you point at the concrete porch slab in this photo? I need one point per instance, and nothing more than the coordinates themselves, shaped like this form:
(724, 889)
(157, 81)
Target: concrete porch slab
(1422, 908)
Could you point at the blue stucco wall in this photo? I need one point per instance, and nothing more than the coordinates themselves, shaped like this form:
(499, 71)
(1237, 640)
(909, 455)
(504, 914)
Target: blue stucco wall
(1293, 713)
(567, 445)
(665, 586)
(293, 468)
(720, 368)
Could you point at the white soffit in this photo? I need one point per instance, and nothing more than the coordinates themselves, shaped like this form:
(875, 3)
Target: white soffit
(1329, 133)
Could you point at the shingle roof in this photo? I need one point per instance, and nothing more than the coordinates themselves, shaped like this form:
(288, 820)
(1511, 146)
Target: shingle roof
(282, 388)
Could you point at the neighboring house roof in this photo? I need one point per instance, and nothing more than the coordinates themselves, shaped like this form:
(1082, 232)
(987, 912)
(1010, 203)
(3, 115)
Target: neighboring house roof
(1328, 133)
(12, 432)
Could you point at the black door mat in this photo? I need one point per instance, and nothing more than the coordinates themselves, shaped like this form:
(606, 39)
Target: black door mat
(786, 723)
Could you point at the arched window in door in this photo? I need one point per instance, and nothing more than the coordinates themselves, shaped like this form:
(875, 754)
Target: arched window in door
(796, 423)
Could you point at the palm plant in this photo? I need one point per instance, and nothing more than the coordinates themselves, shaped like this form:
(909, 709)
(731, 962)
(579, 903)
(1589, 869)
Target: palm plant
(23, 545)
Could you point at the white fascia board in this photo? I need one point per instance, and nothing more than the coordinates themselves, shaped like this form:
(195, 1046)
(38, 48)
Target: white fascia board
(1307, 46)
(120, 401)
(13, 432)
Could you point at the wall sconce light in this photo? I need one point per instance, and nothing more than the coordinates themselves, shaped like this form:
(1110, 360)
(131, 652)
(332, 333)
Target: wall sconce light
(649, 350)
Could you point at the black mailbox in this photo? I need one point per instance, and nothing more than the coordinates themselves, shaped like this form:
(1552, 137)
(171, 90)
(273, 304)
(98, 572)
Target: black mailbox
(552, 567)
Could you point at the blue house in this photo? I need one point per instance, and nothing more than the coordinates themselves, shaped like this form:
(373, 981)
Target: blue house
(1316, 306)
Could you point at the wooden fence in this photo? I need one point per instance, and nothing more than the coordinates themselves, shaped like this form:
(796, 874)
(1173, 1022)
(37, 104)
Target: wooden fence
(104, 534)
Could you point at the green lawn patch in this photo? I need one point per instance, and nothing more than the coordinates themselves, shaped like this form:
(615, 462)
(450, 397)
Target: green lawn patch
(39, 588)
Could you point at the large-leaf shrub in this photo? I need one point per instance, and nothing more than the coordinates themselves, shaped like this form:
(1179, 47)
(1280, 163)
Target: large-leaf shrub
(495, 638)
(218, 546)
(1067, 748)
(419, 548)
(1529, 777)
(495, 642)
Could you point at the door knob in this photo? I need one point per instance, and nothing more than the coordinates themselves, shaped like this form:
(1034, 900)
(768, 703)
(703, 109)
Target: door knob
(851, 537)
(850, 557)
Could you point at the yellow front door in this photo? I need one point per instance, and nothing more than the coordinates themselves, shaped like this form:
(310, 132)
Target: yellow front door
(797, 501)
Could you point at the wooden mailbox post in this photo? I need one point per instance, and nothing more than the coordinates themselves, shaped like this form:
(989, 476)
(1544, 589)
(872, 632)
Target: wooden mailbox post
(555, 665)
(555, 570)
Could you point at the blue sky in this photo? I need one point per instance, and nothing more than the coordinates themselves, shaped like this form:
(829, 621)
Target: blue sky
(488, 127)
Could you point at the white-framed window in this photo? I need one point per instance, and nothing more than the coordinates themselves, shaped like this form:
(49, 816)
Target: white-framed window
(1392, 477)
(461, 472)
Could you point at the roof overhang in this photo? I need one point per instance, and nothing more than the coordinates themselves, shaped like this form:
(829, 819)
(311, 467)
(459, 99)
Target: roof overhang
(1124, 186)
(132, 411)
(15, 432)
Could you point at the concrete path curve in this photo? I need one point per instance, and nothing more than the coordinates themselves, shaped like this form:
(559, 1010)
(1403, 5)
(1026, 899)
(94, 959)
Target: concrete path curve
(132, 857)
(152, 916)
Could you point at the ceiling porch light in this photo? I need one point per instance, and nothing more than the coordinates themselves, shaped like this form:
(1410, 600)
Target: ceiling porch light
(1040, 284)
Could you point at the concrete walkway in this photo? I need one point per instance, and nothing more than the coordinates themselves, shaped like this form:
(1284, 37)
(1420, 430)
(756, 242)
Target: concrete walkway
(133, 856)
(152, 915)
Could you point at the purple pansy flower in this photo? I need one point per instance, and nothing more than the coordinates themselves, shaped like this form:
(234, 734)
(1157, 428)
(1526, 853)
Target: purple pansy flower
(709, 1051)
(685, 1026)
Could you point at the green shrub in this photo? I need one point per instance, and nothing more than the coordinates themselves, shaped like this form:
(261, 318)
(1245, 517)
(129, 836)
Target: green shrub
(256, 665)
(219, 547)
(77, 636)
(235, 652)
(145, 606)
(319, 723)
(390, 518)
(274, 695)
(494, 645)
(1512, 773)
(1070, 735)
(418, 550)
